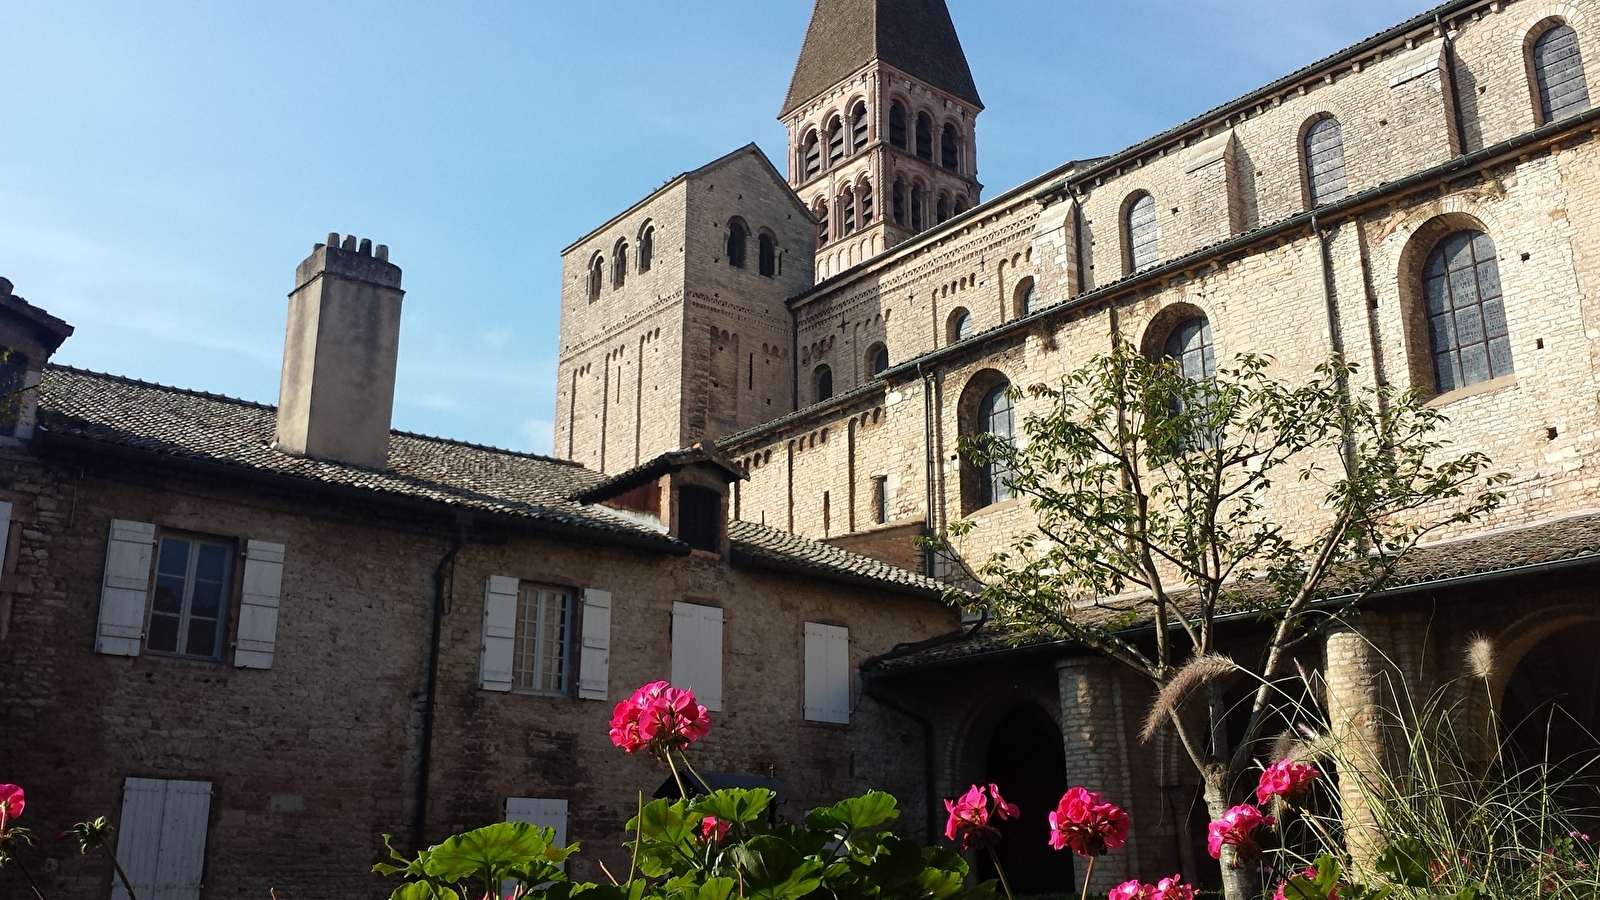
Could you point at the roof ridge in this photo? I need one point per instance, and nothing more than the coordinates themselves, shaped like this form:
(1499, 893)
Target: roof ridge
(457, 442)
(171, 389)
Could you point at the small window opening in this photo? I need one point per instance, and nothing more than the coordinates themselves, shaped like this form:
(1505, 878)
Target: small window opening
(867, 212)
(737, 237)
(897, 125)
(823, 381)
(847, 211)
(822, 224)
(898, 201)
(880, 500)
(924, 137)
(858, 128)
(647, 248)
(949, 152)
(597, 277)
(700, 514)
(619, 266)
(916, 208)
(811, 156)
(767, 251)
(835, 143)
(878, 359)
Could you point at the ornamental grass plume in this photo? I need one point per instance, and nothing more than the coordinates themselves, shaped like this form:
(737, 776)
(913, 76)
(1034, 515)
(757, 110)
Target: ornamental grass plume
(1092, 827)
(1237, 828)
(1286, 780)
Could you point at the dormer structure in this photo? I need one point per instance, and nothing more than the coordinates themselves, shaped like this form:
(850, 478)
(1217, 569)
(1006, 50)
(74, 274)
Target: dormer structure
(882, 120)
(683, 493)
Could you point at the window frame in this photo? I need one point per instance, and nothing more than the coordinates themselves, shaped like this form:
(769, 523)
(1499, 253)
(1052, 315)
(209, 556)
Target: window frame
(766, 254)
(1538, 71)
(647, 247)
(1336, 187)
(924, 137)
(822, 372)
(1133, 238)
(226, 614)
(879, 350)
(898, 125)
(859, 128)
(597, 276)
(950, 148)
(991, 485)
(571, 627)
(1446, 278)
(619, 265)
(738, 247)
(880, 499)
(960, 326)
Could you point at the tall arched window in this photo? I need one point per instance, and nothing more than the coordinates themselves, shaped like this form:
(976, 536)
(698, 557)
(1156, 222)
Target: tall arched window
(597, 276)
(822, 382)
(1189, 345)
(738, 235)
(767, 254)
(1558, 74)
(858, 128)
(823, 218)
(961, 204)
(878, 359)
(647, 248)
(811, 155)
(1024, 304)
(924, 136)
(959, 327)
(949, 149)
(897, 125)
(1324, 152)
(835, 141)
(942, 209)
(996, 420)
(619, 265)
(1466, 313)
(847, 212)
(1143, 234)
(916, 207)
(867, 211)
(898, 202)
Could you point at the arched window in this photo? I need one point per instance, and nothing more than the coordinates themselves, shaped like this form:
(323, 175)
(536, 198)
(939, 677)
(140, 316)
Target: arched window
(1142, 233)
(822, 381)
(949, 149)
(835, 141)
(1024, 301)
(961, 204)
(811, 156)
(1324, 152)
(823, 216)
(897, 125)
(619, 265)
(858, 128)
(942, 209)
(1558, 74)
(898, 201)
(997, 420)
(597, 276)
(916, 207)
(847, 212)
(647, 248)
(767, 248)
(738, 234)
(959, 327)
(878, 359)
(924, 136)
(1189, 345)
(1466, 313)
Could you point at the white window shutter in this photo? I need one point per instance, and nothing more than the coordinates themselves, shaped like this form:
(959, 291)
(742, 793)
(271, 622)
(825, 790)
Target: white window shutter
(543, 813)
(258, 605)
(594, 661)
(827, 674)
(125, 593)
(499, 633)
(697, 652)
(161, 840)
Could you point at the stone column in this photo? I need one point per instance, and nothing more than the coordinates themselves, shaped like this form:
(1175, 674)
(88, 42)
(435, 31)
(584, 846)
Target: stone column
(1355, 673)
(1095, 737)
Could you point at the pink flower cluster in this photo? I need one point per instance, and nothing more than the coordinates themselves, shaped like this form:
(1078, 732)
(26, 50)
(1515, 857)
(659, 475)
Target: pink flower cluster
(1286, 779)
(969, 817)
(1308, 874)
(1237, 827)
(1085, 822)
(659, 717)
(1166, 889)
(11, 803)
(713, 829)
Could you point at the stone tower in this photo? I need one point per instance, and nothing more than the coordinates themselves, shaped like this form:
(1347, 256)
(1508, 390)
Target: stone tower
(881, 116)
(674, 321)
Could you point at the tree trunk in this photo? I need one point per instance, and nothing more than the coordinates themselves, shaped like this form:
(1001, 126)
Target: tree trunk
(1240, 881)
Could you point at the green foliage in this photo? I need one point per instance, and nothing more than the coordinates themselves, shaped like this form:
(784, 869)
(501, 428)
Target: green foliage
(841, 853)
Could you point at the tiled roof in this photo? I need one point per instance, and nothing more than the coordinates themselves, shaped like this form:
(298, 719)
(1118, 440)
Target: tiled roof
(915, 36)
(127, 415)
(1574, 541)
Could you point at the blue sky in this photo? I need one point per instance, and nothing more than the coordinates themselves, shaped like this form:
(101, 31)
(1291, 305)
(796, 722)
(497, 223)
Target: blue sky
(164, 165)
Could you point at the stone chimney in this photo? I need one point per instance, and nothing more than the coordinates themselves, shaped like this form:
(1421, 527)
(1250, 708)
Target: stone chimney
(336, 395)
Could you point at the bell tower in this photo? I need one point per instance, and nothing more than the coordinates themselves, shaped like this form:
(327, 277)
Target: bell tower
(881, 115)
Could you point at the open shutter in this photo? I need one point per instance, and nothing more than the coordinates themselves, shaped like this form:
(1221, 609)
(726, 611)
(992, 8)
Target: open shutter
(139, 835)
(161, 840)
(594, 663)
(499, 633)
(827, 674)
(258, 605)
(126, 590)
(697, 652)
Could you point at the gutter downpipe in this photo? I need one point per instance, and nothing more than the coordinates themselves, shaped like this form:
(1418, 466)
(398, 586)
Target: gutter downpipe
(927, 443)
(1330, 301)
(441, 579)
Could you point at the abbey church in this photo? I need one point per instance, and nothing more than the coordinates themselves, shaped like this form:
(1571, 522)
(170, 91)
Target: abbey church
(260, 637)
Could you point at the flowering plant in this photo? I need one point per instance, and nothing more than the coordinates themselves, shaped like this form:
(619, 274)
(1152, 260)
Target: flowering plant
(1166, 889)
(969, 817)
(1237, 828)
(1086, 823)
(1287, 780)
(657, 718)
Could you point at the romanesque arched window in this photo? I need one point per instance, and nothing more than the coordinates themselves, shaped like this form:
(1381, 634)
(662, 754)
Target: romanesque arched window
(847, 212)
(823, 218)
(1558, 74)
(949, 149)
(1324, 155)
(1466, 313)
(597, 276)
(959, 327)
(738, 236)
(916, 207)
(898, 202)
(835, 141)
(961, 204)
(647, 248)
(997, 422)
(619, 265)
(858, 128)
(767, 254)
(811, 155)
(1024, 302)
(942, 209)
(878, 359)
(864, 195)
(822, 383)
(1141, 233)
(924, 137)
(897, 125)
(1189, 345)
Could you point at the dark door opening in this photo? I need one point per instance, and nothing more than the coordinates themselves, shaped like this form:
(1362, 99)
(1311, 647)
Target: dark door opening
(1026, 760)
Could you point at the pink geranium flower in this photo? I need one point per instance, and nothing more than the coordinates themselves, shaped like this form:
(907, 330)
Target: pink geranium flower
(659, 717)
(713, 829)
(1132, 890)
(969, 816)
(1084, 821)
(1172, 889)
(1287, 779)
(11, 803)
(1237, 827)
(1309, 874)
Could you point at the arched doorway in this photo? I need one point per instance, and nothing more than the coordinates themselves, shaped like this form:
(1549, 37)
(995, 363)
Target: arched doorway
(1551, 706)
(1026, 760)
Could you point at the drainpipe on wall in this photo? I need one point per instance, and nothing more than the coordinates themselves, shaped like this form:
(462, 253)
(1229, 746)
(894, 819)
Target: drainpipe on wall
(1330, 301)
(927, 443)
(444, 576)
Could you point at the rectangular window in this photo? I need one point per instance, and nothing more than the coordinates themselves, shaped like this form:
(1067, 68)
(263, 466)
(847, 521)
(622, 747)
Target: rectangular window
(161, 841)
(880, 499)
(193, 580)
(827, 674)
(544, 623)
(697, 652)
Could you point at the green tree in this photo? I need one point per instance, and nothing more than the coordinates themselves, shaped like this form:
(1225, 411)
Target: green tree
(1175, 502)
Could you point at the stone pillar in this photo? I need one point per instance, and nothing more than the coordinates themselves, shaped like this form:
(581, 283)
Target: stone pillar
(1355, 672)
(1095, 736)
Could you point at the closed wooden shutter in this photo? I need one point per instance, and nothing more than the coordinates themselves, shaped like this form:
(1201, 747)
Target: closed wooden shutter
(125, 591)
(827, 674)
(258, 605)
(499, 633)
(697, 652)
(541, 812)
(594, 659)
(1325, 162)
(1144, 234)
(1558, 68)
(161, 839)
